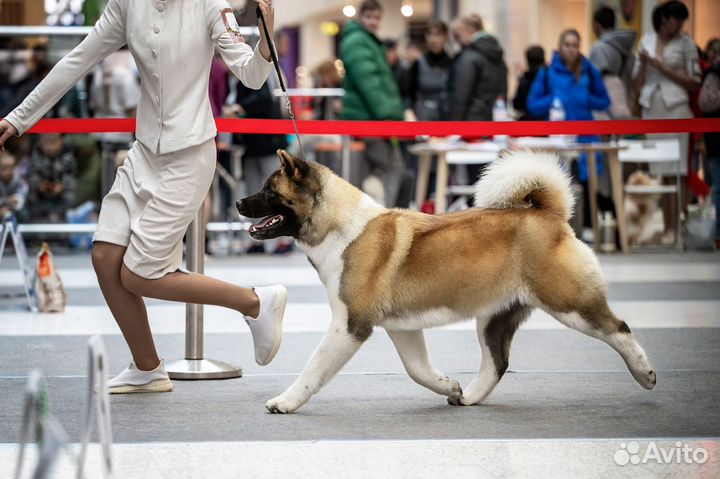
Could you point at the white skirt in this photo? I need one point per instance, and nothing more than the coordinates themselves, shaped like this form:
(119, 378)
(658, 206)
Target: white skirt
(151, 203)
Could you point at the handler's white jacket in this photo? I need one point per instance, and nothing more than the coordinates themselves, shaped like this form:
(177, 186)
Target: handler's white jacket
(173, 43)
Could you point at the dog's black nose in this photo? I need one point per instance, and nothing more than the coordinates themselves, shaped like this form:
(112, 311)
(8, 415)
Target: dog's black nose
(238, 204)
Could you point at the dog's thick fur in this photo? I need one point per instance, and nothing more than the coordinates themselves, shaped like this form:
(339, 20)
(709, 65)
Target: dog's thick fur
(406, 271)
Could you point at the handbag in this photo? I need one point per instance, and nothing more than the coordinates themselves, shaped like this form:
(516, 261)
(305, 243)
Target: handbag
(51, 295)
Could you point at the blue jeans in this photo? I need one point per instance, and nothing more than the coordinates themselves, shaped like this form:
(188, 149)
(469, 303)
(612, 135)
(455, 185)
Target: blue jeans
(714, 163)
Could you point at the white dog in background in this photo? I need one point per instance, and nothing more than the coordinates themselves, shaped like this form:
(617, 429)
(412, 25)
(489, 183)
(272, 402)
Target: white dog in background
(645, 221)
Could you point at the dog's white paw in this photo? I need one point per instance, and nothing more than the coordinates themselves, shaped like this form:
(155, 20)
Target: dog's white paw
(646, 378)
(453, 389)
(445, 386)
(642, 371)
(459, 401)
(282, 405)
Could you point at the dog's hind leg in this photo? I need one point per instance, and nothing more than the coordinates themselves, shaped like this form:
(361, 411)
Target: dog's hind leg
(599, 322)
(338, 345)
(410, 346)
(495, 336)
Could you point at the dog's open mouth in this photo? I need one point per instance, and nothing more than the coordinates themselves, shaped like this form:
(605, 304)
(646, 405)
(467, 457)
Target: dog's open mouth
(266, 224)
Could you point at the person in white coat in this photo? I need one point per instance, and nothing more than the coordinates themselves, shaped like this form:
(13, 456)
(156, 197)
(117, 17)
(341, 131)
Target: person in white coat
(137, 248)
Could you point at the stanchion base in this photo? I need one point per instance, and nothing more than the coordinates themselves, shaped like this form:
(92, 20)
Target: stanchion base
(202, 369)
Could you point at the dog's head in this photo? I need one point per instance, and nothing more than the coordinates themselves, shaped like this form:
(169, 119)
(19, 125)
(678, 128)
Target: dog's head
(286, 201)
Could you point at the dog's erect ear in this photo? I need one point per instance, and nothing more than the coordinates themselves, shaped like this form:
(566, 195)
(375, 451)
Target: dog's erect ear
(294, 168)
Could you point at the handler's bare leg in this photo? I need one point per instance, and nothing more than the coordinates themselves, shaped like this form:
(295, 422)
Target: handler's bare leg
(127, 308)
(123, 291)
(193, 288)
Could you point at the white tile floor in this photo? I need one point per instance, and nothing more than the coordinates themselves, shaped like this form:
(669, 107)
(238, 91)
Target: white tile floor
(553, 459)
(314, 317)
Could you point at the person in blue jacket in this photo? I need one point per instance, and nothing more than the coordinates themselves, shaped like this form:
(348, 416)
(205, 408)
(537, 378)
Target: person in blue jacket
(573, 80)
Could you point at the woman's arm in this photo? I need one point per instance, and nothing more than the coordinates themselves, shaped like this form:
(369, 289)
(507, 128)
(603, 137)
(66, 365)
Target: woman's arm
(598, 98)
(640, 69)
(684, 80)
(107, 35)
(251, 68)
(269, 14)
(540, 99)
(690, 77)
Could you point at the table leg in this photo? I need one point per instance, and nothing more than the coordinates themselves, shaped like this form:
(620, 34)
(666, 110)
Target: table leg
(441, 184)
(423, 176)
(592, 194)
(616, 182)
(346, 142)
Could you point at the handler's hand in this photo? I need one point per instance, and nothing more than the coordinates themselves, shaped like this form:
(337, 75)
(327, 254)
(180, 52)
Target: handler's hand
(268, 12)
(657, 63)
(6, 131)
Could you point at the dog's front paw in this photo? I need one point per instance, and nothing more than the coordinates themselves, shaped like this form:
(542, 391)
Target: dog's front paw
(646, 378)
(281, 405)
(460, 401)
(456, 392)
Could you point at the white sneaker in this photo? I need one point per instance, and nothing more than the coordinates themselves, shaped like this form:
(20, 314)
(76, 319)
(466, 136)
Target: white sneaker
(133, 380)
(267, 328)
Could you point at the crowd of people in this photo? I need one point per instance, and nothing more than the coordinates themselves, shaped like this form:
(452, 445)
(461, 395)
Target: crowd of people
(661, 75)
(665, 76)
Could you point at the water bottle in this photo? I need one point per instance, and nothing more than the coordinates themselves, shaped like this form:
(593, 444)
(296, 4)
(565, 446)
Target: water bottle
(557, 113)
(608, 228)
(557, 110)
(499, 113)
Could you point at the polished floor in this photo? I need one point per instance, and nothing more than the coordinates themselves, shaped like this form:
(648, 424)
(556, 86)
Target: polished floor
(567, 408)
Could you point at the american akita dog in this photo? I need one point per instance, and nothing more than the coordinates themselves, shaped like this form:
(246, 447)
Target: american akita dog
(405, 271)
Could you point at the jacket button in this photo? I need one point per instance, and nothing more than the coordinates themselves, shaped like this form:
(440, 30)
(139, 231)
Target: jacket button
(156, 29)
(154, 53)
(156, 76)
(161, 7)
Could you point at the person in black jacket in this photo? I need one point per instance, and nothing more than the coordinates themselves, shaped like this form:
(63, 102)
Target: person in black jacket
(479, 73)
(535, 56)
(478, 76)
(260, 157)
(428, 76)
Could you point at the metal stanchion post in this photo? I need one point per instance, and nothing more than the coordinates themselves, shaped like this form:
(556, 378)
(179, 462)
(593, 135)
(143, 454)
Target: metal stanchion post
(194, 366)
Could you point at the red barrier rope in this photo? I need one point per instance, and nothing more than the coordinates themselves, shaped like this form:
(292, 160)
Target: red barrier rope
(402, 128)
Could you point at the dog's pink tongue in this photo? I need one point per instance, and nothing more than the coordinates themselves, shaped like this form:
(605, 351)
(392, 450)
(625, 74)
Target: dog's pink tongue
(264, 223)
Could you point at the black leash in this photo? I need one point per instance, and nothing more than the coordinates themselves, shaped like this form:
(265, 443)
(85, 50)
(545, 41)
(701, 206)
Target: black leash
(274, 56)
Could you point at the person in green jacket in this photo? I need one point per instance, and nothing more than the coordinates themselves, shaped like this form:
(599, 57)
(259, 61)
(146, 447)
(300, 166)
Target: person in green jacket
(371, 93)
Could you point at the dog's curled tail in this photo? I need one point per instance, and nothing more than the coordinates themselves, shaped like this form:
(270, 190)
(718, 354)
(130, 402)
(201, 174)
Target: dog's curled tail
(526, 179)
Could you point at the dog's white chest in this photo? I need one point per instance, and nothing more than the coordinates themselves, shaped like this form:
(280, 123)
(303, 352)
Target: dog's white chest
(327, 257)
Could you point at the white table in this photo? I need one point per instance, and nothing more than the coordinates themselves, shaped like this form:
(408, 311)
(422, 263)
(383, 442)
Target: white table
(486, 152)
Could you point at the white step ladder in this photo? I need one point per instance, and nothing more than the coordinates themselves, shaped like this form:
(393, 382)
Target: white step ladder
(10, 228)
